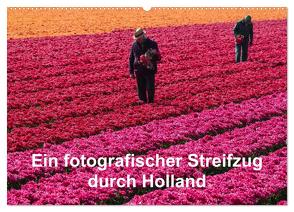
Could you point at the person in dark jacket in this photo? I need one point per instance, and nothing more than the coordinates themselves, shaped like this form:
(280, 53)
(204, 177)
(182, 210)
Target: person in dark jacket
(243, 32)
(144, 56)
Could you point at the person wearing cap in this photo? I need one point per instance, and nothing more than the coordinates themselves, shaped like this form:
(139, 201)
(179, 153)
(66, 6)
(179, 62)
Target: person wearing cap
(243, 32)
(144, 55)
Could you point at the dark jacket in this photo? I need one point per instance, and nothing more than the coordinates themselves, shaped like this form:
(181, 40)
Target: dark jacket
(242, 29)
(136, 51)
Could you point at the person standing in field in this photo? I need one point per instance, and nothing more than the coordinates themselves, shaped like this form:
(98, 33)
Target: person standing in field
(243, 32)
(143, 59)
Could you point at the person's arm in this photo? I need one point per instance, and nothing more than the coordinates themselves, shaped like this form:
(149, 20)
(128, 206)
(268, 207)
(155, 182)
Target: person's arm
(236, 30)
(158, 55)
(131, 61)
(251, 34)
(158, 58)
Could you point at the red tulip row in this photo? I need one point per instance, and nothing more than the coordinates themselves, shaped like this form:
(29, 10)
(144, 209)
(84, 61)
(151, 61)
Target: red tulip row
(72, 127)
(97, 73)
(105, 103)
(67, 50)
(20, 101)
(198, 74)
(185, 56)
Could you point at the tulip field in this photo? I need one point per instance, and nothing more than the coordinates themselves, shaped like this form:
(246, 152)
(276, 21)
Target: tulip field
(69, 91)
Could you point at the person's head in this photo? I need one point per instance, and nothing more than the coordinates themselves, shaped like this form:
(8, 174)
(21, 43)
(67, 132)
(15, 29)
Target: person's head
(139, 35)
(247, 19)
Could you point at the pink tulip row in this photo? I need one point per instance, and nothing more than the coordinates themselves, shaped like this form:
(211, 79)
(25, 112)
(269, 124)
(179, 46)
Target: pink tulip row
(235, 187)
(251, 140)
(282, 202)
(169, 131)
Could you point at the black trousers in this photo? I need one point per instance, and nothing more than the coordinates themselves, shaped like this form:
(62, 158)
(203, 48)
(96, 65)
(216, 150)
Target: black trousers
(146, 86)
(244, 48)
